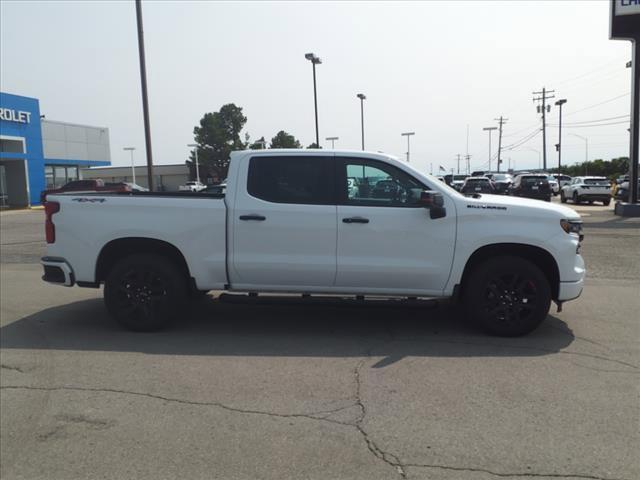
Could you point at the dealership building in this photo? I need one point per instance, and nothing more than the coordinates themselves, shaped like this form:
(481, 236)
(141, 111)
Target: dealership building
(38, 154)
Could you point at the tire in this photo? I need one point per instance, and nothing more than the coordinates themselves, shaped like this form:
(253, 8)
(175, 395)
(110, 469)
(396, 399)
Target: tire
(576, 199)
(145, 292)
(507, 296)
(563, 199)
(606, 202)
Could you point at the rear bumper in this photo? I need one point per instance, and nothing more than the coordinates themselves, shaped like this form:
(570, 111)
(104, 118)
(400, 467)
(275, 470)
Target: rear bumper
(594, 196)
(58, 271)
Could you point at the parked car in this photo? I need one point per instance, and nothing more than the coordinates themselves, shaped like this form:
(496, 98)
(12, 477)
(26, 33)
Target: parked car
(457, 181)
(531, 185)
(477, 185)
(136, 188)
(554, 185)
(562, 179)
(622, 191)
(502, 182)
(587, 189)
(96, 185)
(216, 189)
(192, 186)
(286, 224)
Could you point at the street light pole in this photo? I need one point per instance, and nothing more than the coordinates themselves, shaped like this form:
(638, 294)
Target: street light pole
(408, 135)
(586, 150)
(490, 129)
(195, 147)
(133, 168)
(560, 103)
(539, 156)
(332, 139)
(315, 61)
(362, 98)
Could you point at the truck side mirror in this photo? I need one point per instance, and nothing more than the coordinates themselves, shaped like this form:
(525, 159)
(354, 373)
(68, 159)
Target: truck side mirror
(434, 202)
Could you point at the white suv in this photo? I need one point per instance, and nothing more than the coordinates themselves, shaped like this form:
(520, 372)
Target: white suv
(587, 189)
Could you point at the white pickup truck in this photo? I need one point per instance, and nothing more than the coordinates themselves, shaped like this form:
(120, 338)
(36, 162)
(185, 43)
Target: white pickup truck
(318, 222)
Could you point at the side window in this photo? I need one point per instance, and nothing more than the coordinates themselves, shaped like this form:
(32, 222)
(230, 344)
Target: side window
(371, 183)
(292, 179)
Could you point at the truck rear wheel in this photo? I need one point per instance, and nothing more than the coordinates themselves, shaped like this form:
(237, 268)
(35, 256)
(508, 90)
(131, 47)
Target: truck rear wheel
(145, 292)
(507, 296)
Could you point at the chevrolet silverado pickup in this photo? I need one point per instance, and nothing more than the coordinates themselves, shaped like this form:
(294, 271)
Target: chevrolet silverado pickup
(318, 222)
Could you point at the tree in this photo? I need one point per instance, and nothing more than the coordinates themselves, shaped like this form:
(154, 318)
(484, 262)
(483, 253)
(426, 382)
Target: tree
(314, 145)
(217, 135)
(611, 169)
(284, 140)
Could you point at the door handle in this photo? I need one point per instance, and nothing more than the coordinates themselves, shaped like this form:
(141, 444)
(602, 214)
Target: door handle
(355, 220)
(259, 218)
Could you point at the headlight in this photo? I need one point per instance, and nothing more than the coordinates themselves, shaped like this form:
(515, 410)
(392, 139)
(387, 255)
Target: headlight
(572, 226)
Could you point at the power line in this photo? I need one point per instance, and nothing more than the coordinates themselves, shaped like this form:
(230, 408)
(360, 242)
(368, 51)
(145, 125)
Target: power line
(597, 104)
(522, 141)
(598, 120)
(603, 67)
(627, 122)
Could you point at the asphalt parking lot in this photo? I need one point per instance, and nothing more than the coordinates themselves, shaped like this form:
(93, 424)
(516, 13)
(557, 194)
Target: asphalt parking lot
(319, 390)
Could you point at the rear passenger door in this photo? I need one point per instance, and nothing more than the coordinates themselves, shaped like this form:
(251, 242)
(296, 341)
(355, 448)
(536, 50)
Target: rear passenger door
(284, 223)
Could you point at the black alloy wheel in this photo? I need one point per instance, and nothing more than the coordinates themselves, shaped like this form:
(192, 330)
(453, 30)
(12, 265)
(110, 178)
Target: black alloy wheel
(507, 296)
(145, 292)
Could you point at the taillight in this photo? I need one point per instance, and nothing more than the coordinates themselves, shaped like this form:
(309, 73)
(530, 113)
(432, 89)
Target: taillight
(50, 229)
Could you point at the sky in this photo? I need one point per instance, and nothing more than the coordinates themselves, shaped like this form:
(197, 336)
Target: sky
(432, 68)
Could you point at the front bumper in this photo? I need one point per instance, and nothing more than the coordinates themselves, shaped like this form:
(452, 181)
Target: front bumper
(570, 290)
(58, 271)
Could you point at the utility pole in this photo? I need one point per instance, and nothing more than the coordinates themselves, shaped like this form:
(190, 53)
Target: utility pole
(501, 121)
(145, 98)
(468, 158)
(560, 103)
(545, 108)
(458, 155)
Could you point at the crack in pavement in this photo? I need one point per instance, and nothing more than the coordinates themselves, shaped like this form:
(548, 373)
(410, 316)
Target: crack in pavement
(513, 474)
(12, 367)
(386, 457)
(310, 415)
(389, 458)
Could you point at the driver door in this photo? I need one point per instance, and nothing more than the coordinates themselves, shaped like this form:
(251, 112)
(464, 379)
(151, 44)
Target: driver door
(388, 244)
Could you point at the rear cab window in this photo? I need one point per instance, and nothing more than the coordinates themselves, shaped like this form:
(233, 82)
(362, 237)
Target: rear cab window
(302, 179)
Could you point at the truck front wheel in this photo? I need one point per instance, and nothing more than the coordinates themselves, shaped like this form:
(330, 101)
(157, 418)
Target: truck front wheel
(145, 292)
(507, 296)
